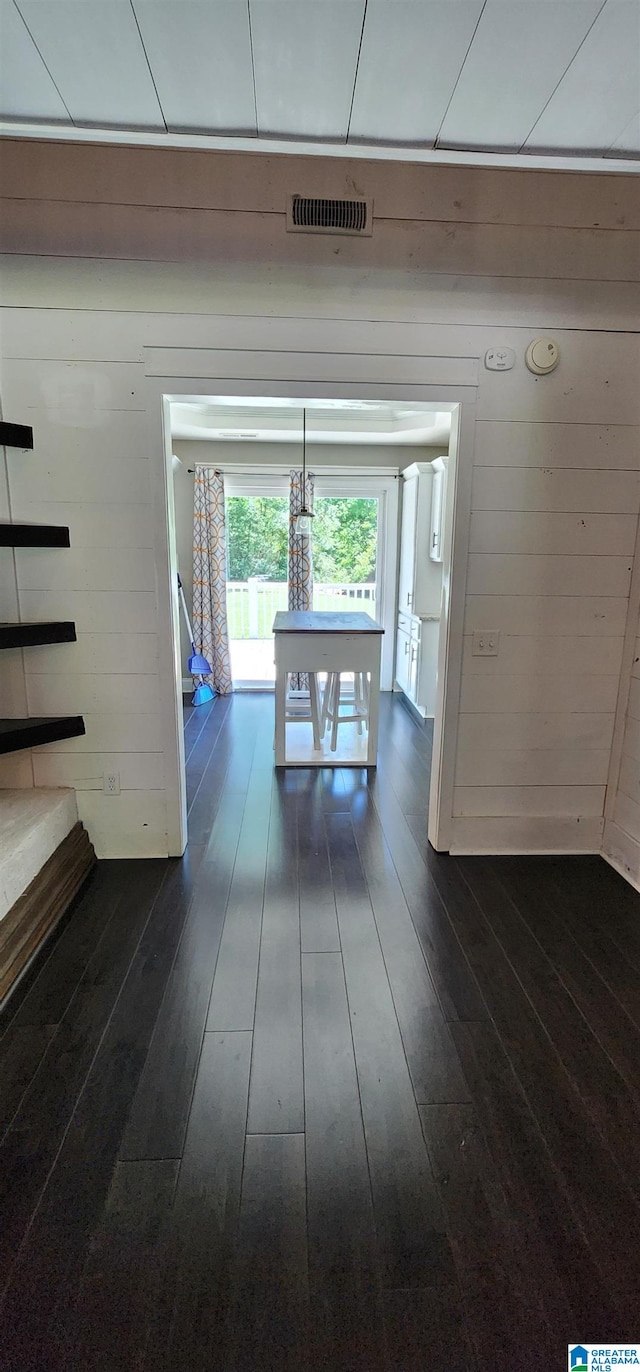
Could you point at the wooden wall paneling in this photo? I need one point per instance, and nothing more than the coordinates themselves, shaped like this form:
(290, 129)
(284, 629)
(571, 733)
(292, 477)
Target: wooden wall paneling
(629, 777)
(13, 695)
(143, 771)
(632, 738)
(595, 616)
(199, 290)
(98, 693)
(104, 434)
(635, 662)
(563, 801)
(79, 478)
(114, 733)
(533, 730)
(307, 366)
(626, 814)
(548, 488)
(182, 234)
(112, 611)
(537, 532)
(70, 391)
(551, 574)
(97, 653)
(544, 654)
(622, 851)
(633, 706)
(558, 766)
(16, 769)
(514, 834)
(240, 181)
(541, 693)
(103, 525)
(86, 569)
(133, 824)
(594, 383)
(520, 443)
(621, 811)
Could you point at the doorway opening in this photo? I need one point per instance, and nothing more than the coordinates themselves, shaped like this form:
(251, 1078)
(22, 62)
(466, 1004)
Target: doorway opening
(359, 451)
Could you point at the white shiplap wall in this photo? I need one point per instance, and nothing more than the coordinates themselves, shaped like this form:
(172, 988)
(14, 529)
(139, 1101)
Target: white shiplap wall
(555, 485)
(553, 530)
(621, 841)
(16, 769)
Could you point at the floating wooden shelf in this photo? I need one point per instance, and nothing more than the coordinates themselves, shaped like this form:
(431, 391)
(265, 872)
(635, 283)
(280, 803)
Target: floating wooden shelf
(34, 536)
(16, 435)
(30, 635)
(29, 733)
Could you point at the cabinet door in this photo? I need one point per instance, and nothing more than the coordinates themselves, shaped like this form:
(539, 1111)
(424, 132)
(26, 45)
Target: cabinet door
(414, 666)
(403, 656)
(406, 583)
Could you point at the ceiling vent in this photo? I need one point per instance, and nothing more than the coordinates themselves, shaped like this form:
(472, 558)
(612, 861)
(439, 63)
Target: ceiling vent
(311, 214)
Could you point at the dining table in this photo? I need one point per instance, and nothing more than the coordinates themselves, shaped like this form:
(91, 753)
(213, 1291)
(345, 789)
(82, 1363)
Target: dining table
(314, 644)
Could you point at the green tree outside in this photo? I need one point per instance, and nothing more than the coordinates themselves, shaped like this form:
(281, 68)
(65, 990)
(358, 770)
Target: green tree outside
(344, 538)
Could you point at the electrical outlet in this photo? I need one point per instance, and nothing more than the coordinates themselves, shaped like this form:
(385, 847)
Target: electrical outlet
(486, 643)
(111, 784)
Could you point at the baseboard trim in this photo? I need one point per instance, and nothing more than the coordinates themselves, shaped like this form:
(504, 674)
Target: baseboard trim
(411, 709)
(622, 852)
(525, 835)
(34, 916)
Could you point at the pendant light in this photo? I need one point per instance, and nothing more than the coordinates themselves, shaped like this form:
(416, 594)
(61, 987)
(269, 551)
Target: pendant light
(303, 519)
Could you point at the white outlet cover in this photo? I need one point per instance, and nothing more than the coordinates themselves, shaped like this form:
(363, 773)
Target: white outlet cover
(542, 356)
(499, 359)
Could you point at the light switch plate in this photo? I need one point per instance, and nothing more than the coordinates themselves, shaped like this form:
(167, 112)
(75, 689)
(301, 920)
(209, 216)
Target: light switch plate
(499, 359)
(486, 643)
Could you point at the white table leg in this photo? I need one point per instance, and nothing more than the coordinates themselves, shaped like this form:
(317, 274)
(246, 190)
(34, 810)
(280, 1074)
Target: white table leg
(374, 702)
(315, 713)
(280, 703)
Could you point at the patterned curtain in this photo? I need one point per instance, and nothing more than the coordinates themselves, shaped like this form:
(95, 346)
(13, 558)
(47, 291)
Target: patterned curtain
(210, 577)
(300, 560)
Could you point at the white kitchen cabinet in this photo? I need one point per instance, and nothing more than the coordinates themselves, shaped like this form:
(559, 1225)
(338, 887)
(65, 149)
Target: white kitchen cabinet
(420, 578)
(417, 661)
(403, 674)
(420, 585)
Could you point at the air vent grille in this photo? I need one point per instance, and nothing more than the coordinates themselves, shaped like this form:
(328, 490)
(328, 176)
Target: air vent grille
(315, 214)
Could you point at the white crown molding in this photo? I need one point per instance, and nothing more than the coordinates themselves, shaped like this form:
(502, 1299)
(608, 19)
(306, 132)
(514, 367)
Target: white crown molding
(369, 152)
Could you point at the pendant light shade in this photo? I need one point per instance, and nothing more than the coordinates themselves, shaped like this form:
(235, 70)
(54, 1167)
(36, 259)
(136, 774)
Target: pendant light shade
(304, 518)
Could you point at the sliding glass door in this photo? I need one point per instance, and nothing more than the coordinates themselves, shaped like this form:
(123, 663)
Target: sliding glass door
(353, 550)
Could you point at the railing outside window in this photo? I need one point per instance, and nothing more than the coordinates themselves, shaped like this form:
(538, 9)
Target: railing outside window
(252, 604)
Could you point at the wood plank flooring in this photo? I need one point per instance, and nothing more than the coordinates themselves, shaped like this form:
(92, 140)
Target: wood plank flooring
(316, 1097)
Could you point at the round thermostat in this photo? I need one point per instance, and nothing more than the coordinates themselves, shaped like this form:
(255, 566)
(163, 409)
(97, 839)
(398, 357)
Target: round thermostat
(542, 356)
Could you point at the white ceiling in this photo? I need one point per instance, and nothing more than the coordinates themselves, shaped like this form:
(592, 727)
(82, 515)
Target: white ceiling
(558, 77)
(331, 421)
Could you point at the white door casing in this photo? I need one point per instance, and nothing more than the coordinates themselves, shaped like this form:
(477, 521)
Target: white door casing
(456, 392)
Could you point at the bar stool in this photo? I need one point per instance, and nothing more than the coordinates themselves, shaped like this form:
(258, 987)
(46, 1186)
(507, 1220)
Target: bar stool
(333, 698)
(297, 709)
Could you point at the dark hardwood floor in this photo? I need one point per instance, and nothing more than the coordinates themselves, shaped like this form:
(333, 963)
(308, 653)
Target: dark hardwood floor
(316, 1097)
